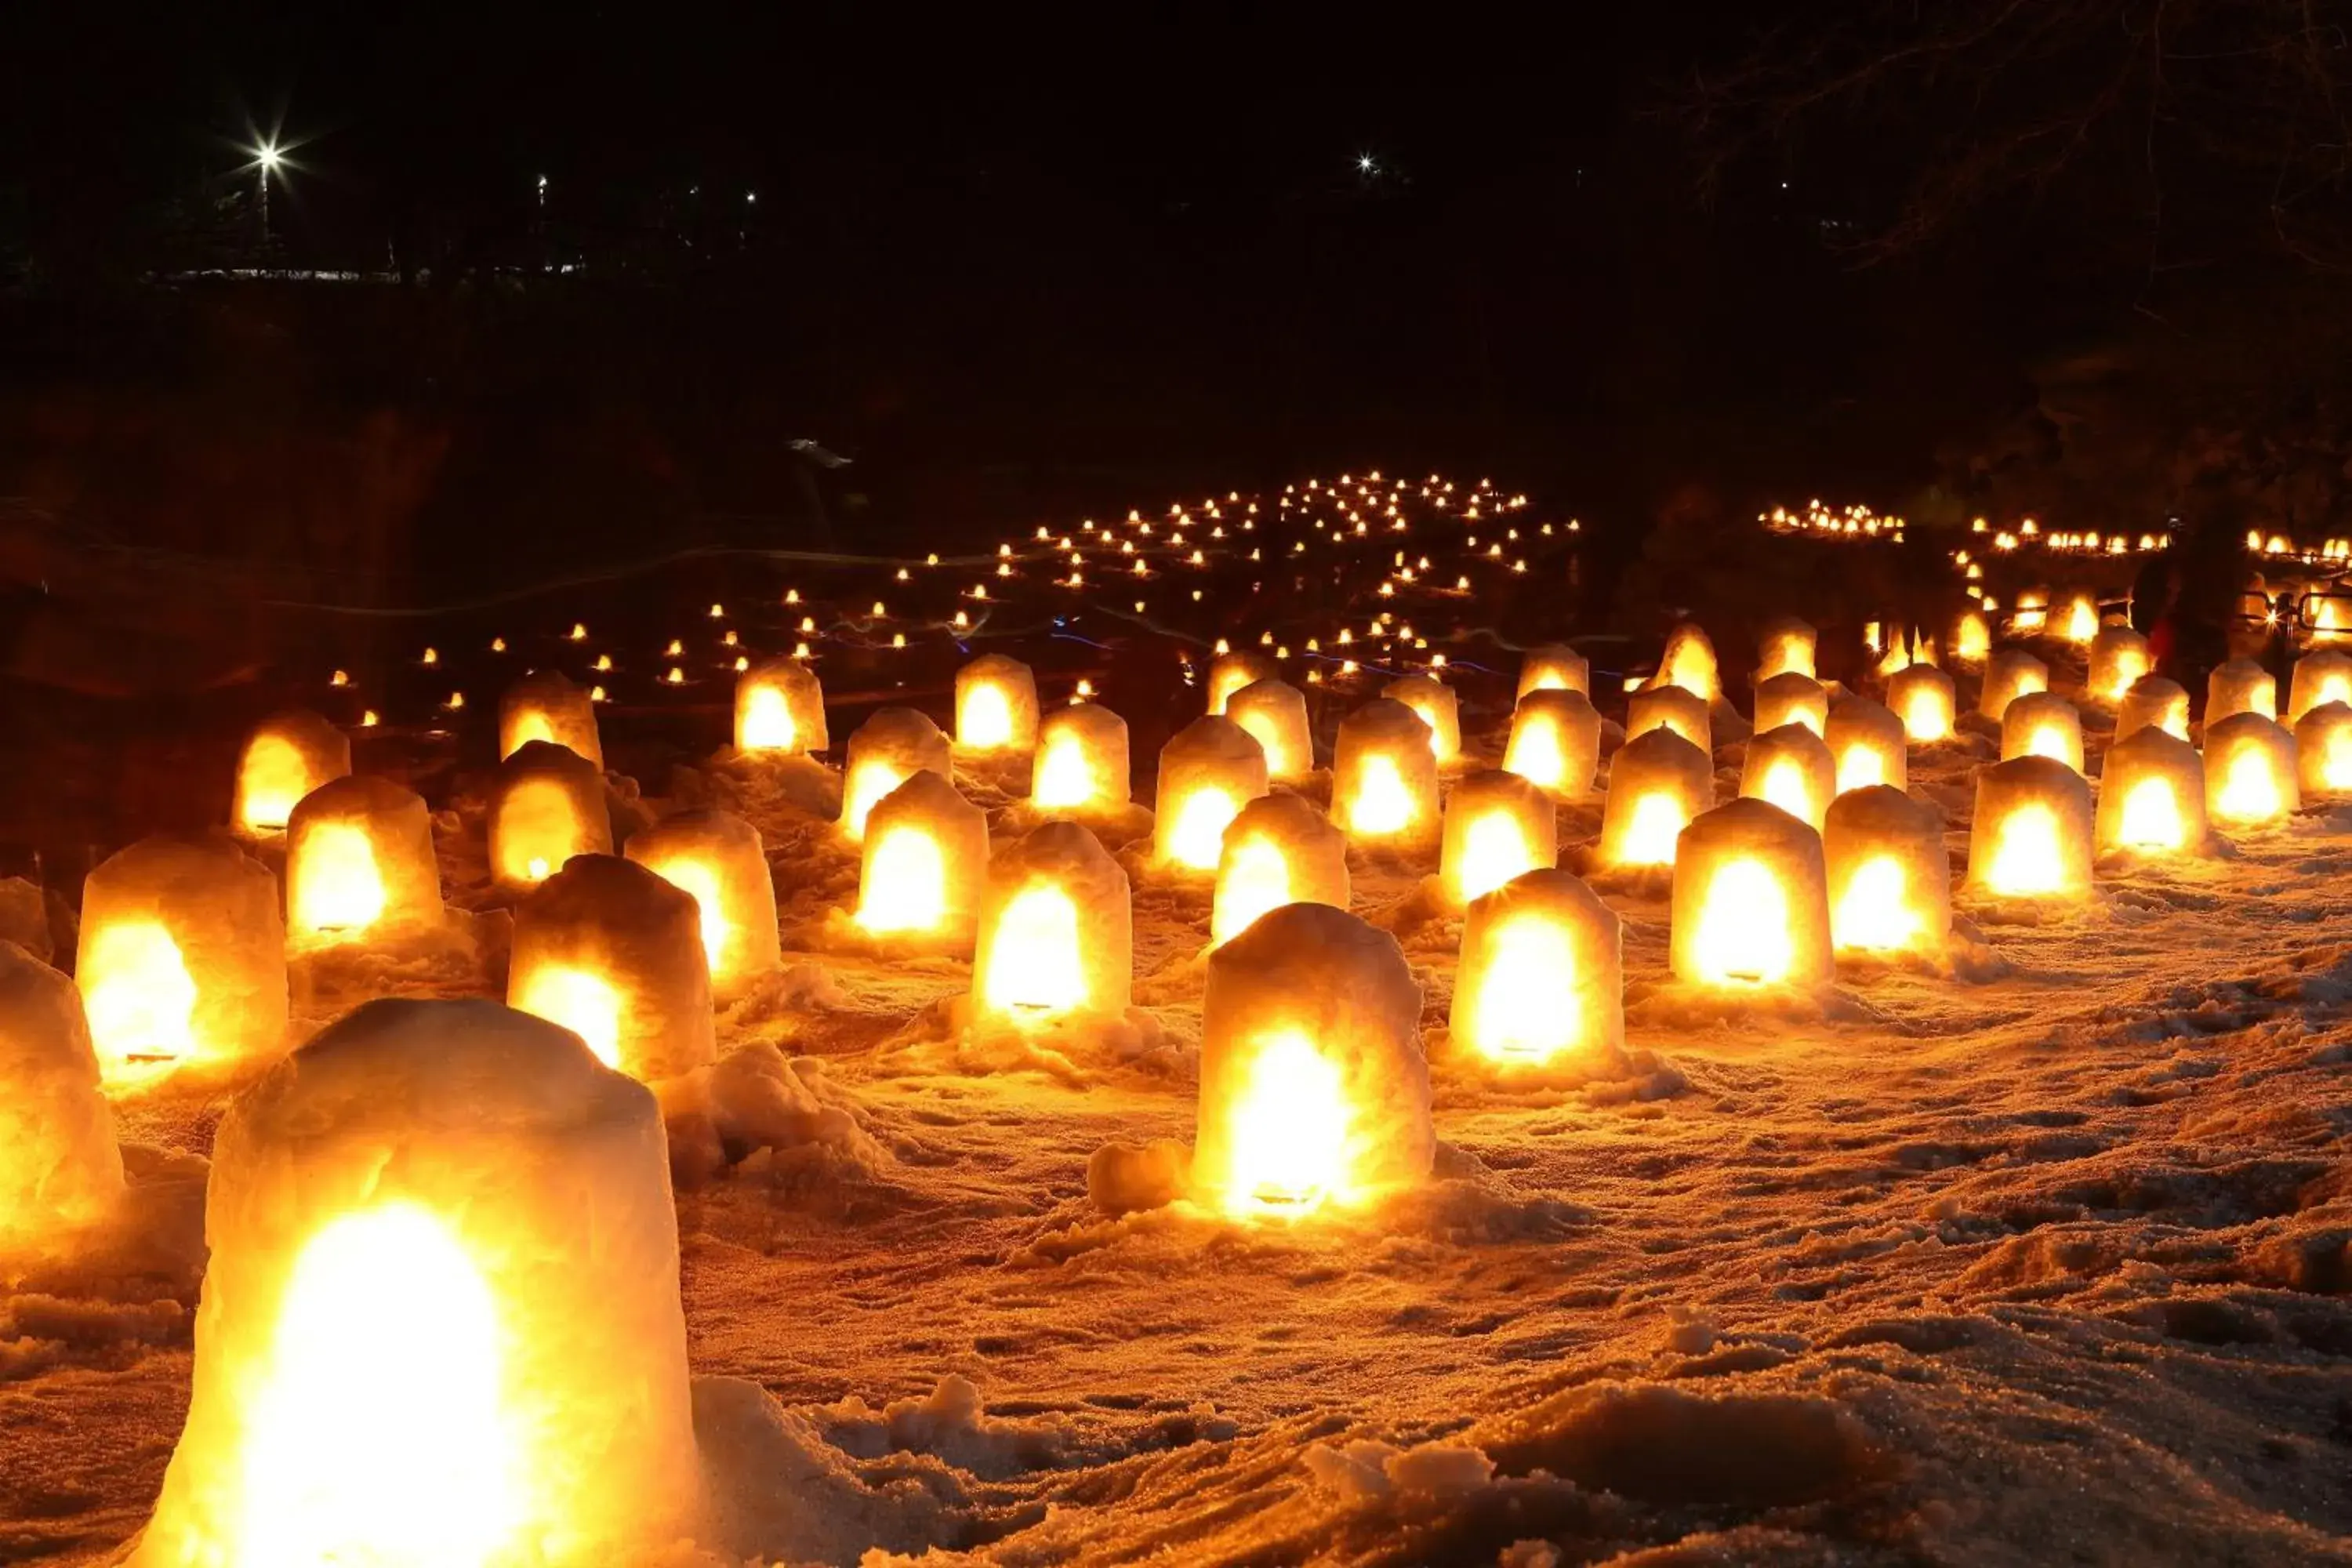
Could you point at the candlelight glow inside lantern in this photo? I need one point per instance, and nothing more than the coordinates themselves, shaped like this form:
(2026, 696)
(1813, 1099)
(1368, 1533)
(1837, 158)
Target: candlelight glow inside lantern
(2250, 771)
(1314, 1092)
(1890, 882)
(614, 953)
(2322, 677)
(547, 804)
(2031, 834)
(1869, 744)
(2120, 656)
(1275, 713)
(1555, 741)
(2153, 700)
(2323, 750)
(996, 705)
(1541, 976)
(2043, 724)
(1497, 827)
(780, 707)
(1923, 696)
(1439, 708)
(1658, 784)
(287, 756)
(1553, 668)
(2009, 675)
(892, 746)
(717, 859)
(1971, 637)
(2080, 619)
(1750, 900)
(2241, 685)
(1208, 771)
(1279, 850)
(2152, 795)
(1690, 663)
(1081, 765)
(1671, 708)
(1229, 672)
(925, 862)
(1792, 699)
(181, 958)
(1056, 932)
(440, 1326)
(60, 1168)
(359, 863)
(1791, 767)
(546, 707)
(1384, 777)
(1785, 647)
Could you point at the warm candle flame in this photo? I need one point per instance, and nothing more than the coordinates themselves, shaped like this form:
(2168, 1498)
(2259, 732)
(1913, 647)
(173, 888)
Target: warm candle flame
(585, 1004)
(2051, 741)
(1523, 1013)
(1255, 879)
(1743, 931)
(906, 885)
(1784, 785)
(1536, 754)
(138, 994)
(274, 778)
(1493, 850)
(337, 887)
(2028, 858)
(984, 716)
(1035, 961)
(1927, 713)
(1651, 836)
(1198, 837)
(768, 720)
(2249, 788)
(1859, 767)
(1066, 778)
(1382, 803)
(1875, 911)
(868, 783)
(700, 883)
(2151, 817)
(1290, 1130)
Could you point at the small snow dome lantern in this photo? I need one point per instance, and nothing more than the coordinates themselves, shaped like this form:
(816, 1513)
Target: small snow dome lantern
(780, 709)
(1314, 1090)
(1497, 827)
(1793, 768)
(2078, 619)
(2009, 675)
(1890, 882)
(1658, 784)
(996, 705)
(2250, 772)
(1541, 978)
(1689, 662)
(2241, 685)
(716, 858)
(2323, 751)
(1279, 850)
(1439, 708)
(1208, 771)
(545, 706)
(2324, 676)
(2152, 795)
(892, 746)
(1670, 708)
(1922, 696)
(1553, 666)
(2043, 724)
(2031, 834)
(1555, 741)
(1971, 637)
(1750, 900)
(1229, 672)
(441, 1322)
(547, 804)
(1384, 777)
(181, 958)
(1275, 713)
(2120, 656)
(1785, 648)
(287, 756)
(613, 952)
(1081, 765)
(1792, 699)
(360, 864)
(1869, 744)
(925, 863)
(60, 1168)
(2153, 700)
(1056, 932)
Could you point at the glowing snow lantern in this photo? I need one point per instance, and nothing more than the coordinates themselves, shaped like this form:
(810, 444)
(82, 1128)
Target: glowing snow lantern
(1497, 827)
(2153, 700)
(1672, 708)
(1658, 784)
(780, 707)
(360, 864)
(440, 1327)
(181, 958)
(892, 746)
(1439, 708)
(547, 804)
(60, 1168)
(2043, 724)
(1792, 699)
(1785, 648)
(1553, 668)
(1869, 744)
(1750, 900)
(2120, 656)
(925, 863)
(1384, 777)
(2250, 771)
(2152, 795)
(718, 858)
(996, 705)
(1922, 697)
(1208, 771)
(1890, 881)
(2322, 677)
(2031, 834)
(1229, 672)
(1971, 637)
(1279, 850)
(1690, 663)
(2241, 685)
(1791, 767)
(1275, 713)
(1541, 976)
(2009, 675)
(1555, 741)
(614, 953)
(2323, 750)
(287, 756)
(1081, 762)
(1056, 932)
(547, 706)
(2079, 620)
(1314, 1090)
